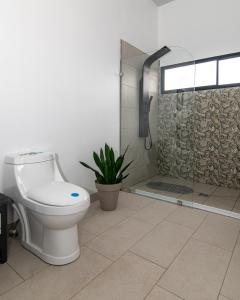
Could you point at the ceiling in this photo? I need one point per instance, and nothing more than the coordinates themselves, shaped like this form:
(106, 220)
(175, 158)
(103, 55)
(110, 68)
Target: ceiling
(162, 2)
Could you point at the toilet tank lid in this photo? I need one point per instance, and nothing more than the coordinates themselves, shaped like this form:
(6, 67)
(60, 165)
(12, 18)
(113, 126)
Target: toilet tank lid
(29, 157)
(60, 194)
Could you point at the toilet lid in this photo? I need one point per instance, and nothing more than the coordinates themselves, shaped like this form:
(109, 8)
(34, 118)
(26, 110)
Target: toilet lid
(59, 194)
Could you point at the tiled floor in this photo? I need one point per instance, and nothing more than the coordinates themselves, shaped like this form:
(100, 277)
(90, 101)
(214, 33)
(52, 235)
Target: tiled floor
(210, 195)
(146, 249)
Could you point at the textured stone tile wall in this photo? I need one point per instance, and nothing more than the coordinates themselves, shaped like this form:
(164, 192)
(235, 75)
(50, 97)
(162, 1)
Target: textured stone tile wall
(199, 136)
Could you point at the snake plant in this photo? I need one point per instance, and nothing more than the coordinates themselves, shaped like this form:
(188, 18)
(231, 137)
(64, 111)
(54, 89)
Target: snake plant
(110, 169)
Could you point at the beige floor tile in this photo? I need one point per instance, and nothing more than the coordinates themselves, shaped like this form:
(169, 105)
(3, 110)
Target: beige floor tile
(129, 278)
(226, 203)
(160, 294)
(8, 278)
(26, 264)
(221, 297)
(84, 236)
(104, 220)
(226, 192)
(155, 212)
(198, 272)
(194, 197)
(204, 188)
(115, 241)
(93, 209)
(133, 201)
(57, 283)
(237, 206)
(163, 243)
(231, 287)
(219, 231)
(14, 246)
(189, 217)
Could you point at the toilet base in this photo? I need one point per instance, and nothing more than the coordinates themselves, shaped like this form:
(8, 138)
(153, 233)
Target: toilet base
(49, 239)
(52, 260)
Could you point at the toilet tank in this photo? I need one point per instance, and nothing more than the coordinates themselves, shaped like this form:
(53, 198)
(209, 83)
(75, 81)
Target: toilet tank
(33, 169)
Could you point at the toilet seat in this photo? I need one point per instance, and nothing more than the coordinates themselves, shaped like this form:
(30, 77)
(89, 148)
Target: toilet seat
(60, 194)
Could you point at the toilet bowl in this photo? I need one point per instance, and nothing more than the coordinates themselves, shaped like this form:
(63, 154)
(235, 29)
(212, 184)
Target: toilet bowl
(48, 207)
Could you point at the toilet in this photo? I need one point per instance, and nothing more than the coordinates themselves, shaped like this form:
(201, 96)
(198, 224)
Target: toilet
(49, 208)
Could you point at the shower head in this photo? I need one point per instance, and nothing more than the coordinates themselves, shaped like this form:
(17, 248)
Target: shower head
(144, 98)
(155, 56)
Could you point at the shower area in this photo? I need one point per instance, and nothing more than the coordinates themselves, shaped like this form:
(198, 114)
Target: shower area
(184, 143)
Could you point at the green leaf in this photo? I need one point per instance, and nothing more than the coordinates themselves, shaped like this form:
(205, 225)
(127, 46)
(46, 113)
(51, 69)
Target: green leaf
(102, 156)
(88, 167)
(119, 162)
(125, 168)
(107, 150)
(98, 162)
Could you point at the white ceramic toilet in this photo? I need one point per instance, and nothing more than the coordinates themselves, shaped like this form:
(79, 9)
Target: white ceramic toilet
(48, 207)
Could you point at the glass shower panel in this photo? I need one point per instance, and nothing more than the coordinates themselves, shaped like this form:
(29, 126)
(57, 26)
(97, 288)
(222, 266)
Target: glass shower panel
(163, 162)
(144, 162)
(175, 127)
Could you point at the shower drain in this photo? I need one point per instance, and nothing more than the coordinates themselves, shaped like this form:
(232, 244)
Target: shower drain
(169, 187)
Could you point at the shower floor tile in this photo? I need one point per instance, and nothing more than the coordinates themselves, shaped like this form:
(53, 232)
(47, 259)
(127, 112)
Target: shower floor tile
(226, 203)
(206, 194)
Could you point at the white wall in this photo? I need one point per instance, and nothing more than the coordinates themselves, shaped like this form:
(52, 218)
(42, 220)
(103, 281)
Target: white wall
(205, 27)
(59, 83)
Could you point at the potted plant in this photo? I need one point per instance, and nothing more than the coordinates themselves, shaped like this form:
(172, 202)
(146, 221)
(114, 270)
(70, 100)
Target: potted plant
(109, 177)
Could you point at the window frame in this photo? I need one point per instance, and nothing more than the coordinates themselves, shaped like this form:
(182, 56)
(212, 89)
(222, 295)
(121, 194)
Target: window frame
(199, 61)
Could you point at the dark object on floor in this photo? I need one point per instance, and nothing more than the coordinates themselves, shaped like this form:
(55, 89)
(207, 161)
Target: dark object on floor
(203, 194)
(4, 200)
(169, 187)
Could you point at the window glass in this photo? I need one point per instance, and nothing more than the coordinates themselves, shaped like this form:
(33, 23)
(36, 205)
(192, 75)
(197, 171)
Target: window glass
(203, 74)
(179, 78)
(206, 74)
(229, 71)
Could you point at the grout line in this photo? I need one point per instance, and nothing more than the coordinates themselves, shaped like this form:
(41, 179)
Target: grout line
(112, 262)
(234, 204)
(212, 245)
(92, 279)
(12, 288)
(16, 272)
(133, 243)
(230, 260)
(184, 246)
(170, 292)
(128, 250)
(133, 212)
(147, 259)
(97, 252)
(166, 269)
(225, 297)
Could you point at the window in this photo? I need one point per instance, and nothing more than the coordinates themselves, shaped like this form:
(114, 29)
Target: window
(211, 73)
(229, 71)
(206, 73)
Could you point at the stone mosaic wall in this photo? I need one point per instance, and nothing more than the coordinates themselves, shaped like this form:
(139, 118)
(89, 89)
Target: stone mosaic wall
(199, 136)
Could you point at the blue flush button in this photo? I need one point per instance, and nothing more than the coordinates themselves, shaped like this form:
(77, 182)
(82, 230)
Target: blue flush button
(75, 195)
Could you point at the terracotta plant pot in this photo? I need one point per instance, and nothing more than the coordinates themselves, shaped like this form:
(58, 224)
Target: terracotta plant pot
(108, 195)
